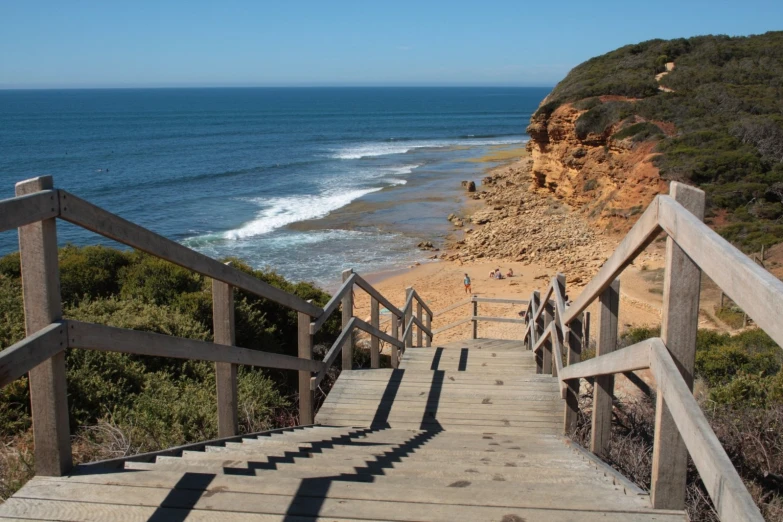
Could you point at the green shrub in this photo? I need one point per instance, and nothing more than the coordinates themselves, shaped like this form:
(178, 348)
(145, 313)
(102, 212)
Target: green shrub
(90, 272)
(155, 280)
(639, 132)
(598, 119)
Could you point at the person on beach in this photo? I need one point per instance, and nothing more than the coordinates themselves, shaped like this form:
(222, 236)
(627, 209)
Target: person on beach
(467, 284)
(510, 272)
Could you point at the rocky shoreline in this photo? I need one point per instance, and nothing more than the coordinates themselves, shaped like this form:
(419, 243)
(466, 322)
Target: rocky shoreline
(518, 224)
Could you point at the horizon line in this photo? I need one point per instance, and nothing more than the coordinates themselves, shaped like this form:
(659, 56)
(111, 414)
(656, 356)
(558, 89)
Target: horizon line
(315, 86)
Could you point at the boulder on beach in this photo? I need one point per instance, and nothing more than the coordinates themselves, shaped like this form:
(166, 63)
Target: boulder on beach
(471, 186)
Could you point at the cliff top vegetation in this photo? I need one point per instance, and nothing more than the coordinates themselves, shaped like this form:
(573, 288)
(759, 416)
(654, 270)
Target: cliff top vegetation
(724, 98)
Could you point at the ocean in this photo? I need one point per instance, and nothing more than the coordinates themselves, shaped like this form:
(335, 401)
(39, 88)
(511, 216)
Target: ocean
(305, 181)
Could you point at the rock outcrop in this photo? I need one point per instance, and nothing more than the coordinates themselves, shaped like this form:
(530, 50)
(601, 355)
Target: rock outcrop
(608, 181)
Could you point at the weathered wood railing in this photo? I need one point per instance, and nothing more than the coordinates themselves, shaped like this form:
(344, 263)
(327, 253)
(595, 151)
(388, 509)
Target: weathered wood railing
(680, 426)
(42, 353)
(475, 318)
(399, 317)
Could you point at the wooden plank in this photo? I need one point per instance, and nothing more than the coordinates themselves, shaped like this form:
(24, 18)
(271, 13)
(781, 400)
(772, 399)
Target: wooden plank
(453, 307)
(726, 489)
(93, 218)
(498, 319)
(545, 299)
(333, 303)
(756, 291)
(501, 300)
(375, 343)
(20, 358)
(221, 504)
(637, 239)
(42, 307)
(679, 324)
(537, 322)
(603, 389)
(109, 339)
(29, 208)
(361, 325)
(225, 373)
(634, 357)
(305, 351)
(347, 315)
(375, 294)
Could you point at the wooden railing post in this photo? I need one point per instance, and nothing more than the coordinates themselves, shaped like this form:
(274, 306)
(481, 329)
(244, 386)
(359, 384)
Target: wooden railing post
(395, 332)
(574, 343)
(428, 324)
(536, 302)
(375, 354)
(225, 373)
(347, 350)
(679, 324)
(305, 347)
(546, 365)
(419, 331)
(475, 314)
(603, 390)
(43, 306)
(408, 315)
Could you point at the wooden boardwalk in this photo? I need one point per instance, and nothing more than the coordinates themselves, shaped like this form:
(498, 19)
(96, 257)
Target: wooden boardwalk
(462, 432)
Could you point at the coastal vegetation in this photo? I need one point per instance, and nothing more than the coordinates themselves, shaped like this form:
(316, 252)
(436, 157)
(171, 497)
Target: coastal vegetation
(122, 404)
(716, 119)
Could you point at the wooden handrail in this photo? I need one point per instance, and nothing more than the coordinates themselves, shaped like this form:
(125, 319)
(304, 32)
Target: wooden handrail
(333, 304)
(492, 319)
(333, 352)
(91, 217)
(453, 325)
(110, 339)
(21, 357)
(756, 291)
(544, 301)
(631, 358)
(637, 239)
(23, 210)
(453, 306)
(727, 491)
(499, 300)
(368, 328)
(422, 303)
(367, 287)
(408, 327)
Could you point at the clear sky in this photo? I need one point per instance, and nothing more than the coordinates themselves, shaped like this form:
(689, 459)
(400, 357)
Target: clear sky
(107, 43)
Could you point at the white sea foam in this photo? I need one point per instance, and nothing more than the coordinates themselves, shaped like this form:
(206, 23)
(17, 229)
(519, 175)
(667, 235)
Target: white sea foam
(369, 150)
(278, 212)
(394, 181)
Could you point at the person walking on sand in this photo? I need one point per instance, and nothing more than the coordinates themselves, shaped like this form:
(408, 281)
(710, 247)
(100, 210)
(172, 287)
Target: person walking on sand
(467, 284)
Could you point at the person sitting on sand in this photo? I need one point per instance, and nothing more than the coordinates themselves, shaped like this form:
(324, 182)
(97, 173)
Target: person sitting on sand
(467, 284)
(498, 274)
(510, 272)
(492, 274)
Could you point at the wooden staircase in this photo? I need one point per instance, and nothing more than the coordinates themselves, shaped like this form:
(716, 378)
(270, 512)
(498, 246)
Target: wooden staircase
(469, 431)
(462, 432)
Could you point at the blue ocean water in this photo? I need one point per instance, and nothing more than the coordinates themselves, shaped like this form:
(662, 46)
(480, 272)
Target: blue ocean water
(304, 181)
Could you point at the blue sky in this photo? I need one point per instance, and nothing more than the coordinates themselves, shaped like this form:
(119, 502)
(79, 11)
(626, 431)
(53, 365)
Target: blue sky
(45, 44)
